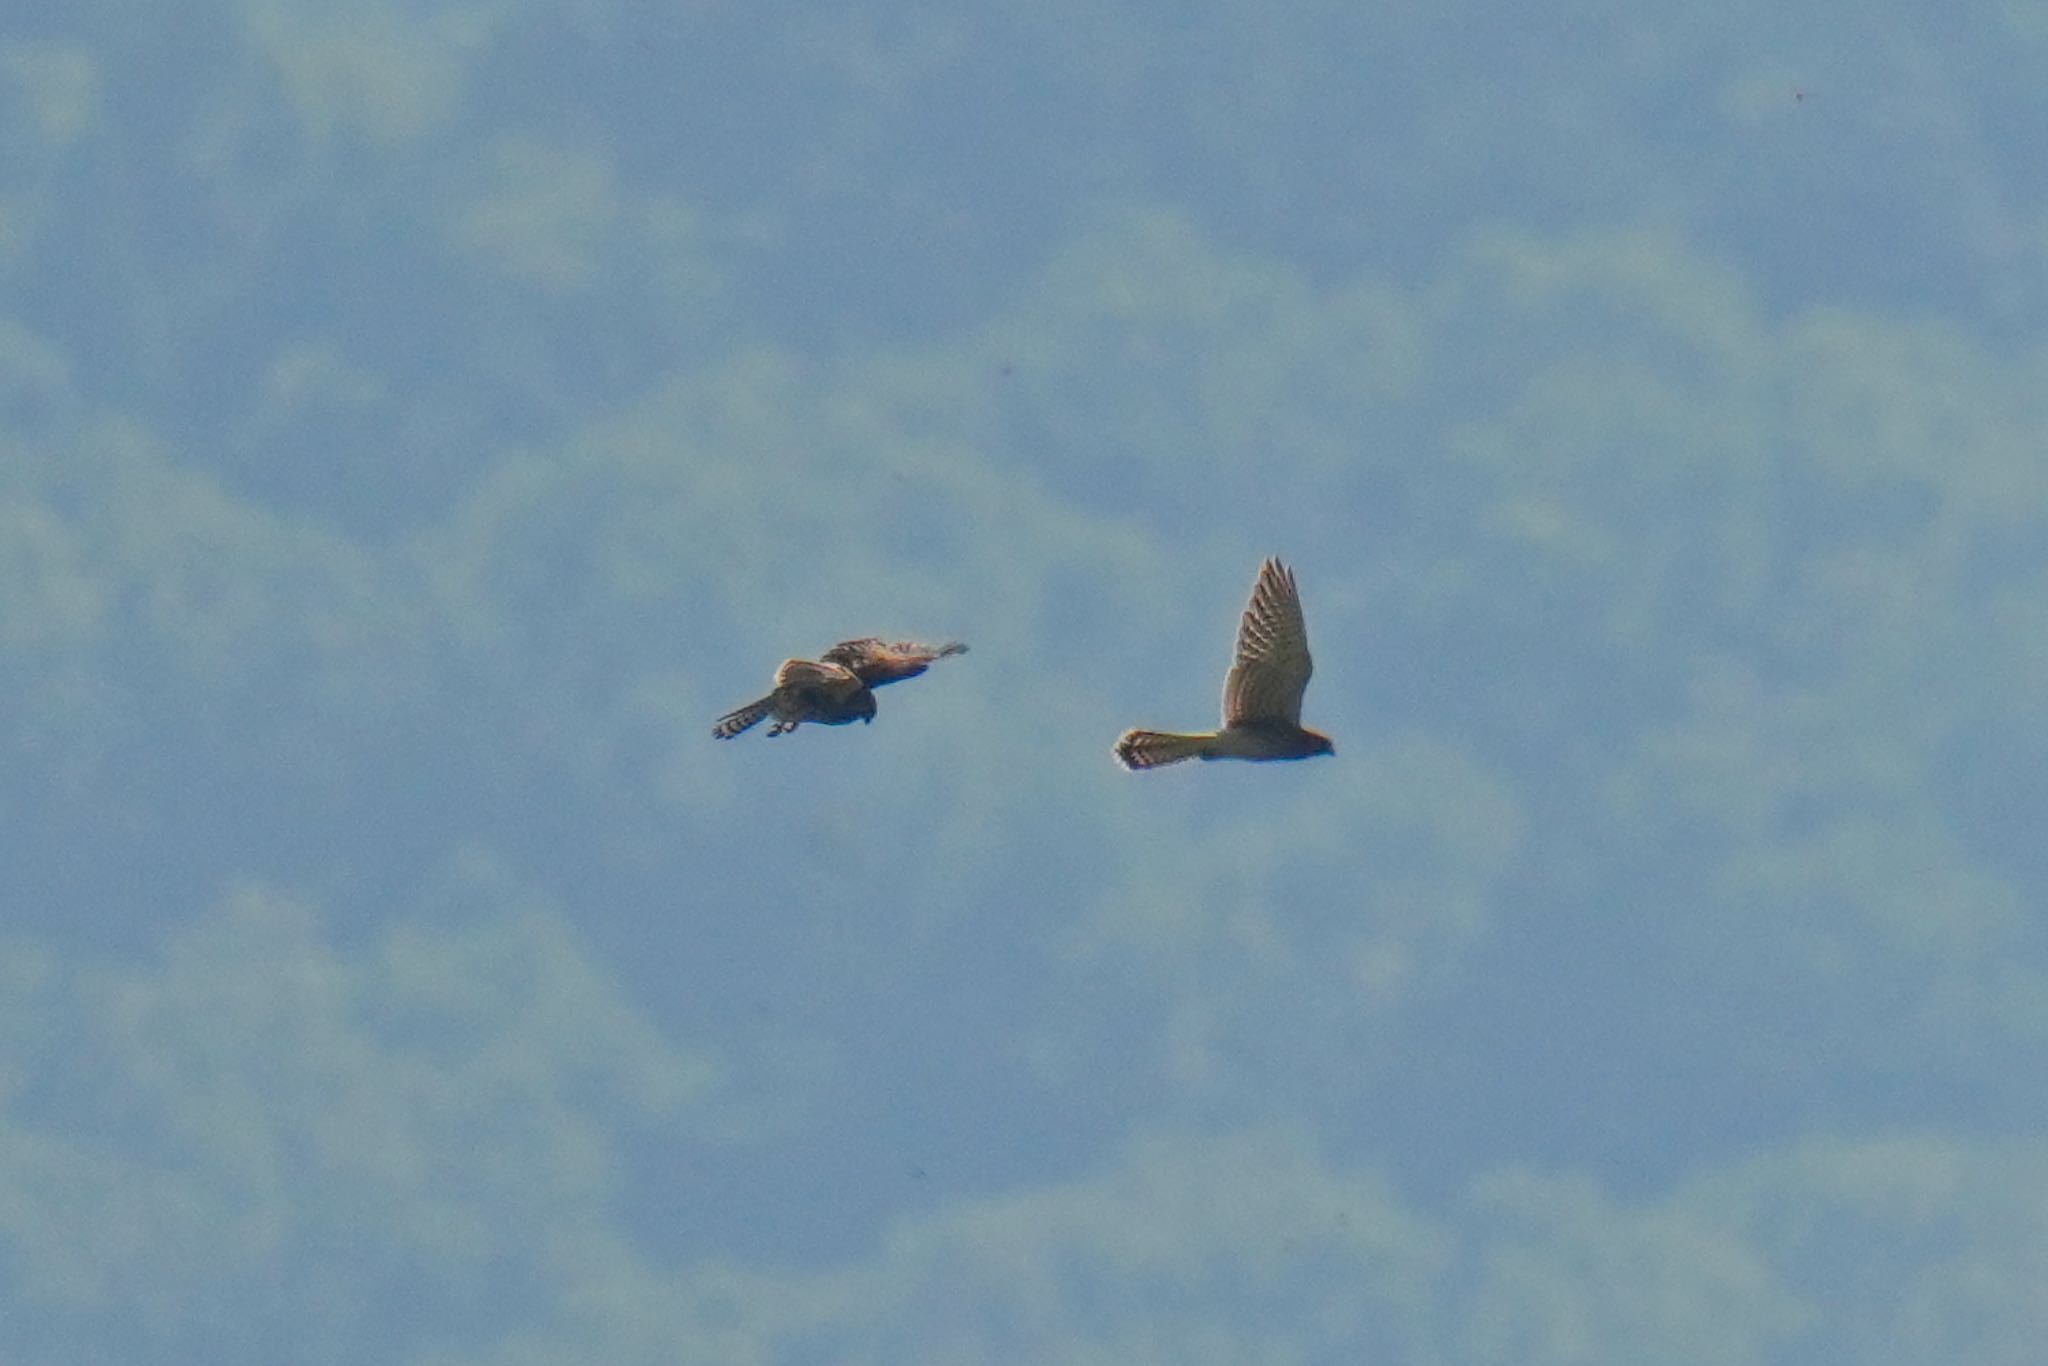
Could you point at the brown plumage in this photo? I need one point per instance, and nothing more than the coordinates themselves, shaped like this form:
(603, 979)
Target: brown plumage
(836, 689)
(1261, 693)
(877, 662)
(824, 694)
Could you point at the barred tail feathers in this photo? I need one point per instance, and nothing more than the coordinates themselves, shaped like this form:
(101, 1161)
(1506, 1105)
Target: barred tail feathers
(733, 722)
(1142, 749)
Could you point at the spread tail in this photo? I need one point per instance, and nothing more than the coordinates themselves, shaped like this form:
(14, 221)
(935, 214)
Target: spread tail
(733, 722)
(1141, 749)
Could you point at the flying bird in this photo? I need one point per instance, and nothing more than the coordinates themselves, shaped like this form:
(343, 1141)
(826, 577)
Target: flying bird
(1261, 693)
(836, 689)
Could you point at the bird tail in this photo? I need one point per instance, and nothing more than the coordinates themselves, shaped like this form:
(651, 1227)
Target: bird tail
(1141, 749)
(733, 722)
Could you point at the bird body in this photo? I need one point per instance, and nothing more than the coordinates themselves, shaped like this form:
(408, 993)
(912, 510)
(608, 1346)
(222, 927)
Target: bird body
(805, 690)
(835, 690)
(1261, 694)
(1139, 749)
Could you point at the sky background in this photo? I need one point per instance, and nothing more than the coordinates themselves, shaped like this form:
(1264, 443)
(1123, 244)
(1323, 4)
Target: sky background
(419, 421)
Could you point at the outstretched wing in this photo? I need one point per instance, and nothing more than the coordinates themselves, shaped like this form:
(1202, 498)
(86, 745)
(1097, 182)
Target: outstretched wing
(876, 662)
(1271, 668)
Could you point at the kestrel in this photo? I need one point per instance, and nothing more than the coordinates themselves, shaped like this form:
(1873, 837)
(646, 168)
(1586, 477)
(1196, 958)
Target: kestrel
(836, 689)
(1261, 693)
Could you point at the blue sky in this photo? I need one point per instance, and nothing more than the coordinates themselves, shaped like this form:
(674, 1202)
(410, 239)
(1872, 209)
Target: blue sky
(418, 424)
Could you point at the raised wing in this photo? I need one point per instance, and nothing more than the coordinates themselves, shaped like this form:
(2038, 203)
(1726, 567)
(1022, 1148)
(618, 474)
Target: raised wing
(1271, 668)
(876, 662)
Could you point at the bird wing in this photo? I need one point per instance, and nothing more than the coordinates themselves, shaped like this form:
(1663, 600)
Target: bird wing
(1271, 668)
(824, 678)
(876, 662)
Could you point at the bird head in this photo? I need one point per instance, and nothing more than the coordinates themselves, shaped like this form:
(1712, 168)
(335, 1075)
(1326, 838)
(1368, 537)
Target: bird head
(1322, 743)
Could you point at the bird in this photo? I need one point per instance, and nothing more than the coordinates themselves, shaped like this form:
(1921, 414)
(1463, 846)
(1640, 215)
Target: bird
(836, 688)
(805, 690)
(1261, 693)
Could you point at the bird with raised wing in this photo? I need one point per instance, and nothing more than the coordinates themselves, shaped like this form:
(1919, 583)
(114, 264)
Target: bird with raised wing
(837, 688)
(1261, 693)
